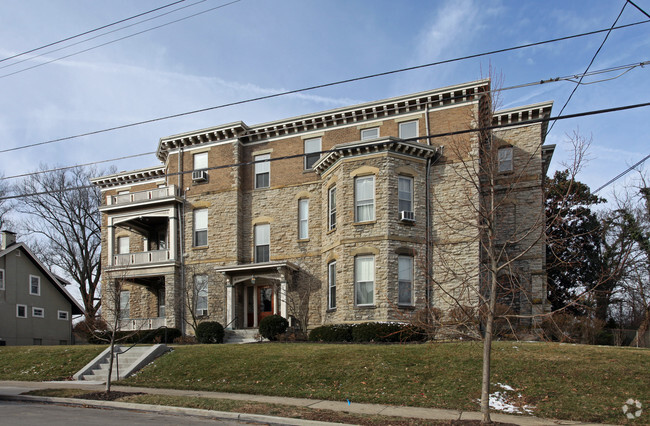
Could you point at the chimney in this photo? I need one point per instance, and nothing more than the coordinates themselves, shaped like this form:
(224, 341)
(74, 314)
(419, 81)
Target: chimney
(8, 238)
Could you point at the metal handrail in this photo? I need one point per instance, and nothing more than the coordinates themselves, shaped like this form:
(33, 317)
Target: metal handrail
(233, 320)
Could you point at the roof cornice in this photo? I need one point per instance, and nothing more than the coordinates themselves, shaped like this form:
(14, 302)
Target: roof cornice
(132, 176)
(405, 104)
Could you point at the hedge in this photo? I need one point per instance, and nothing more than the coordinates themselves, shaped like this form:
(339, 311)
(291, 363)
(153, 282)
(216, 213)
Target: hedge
(140, 336)
(272, 326)
(209, 332)
(367, 332)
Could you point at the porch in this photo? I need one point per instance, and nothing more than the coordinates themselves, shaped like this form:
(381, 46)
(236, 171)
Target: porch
(254, 291)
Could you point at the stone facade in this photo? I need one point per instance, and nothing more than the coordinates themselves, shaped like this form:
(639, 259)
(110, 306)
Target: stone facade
(443, 187)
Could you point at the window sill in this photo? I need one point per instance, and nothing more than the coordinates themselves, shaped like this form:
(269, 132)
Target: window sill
(365, 307)
(330, 310)
(303, 240)
(331, 231)
(304, 171)
(262, 188)
(407, 222)
(200, 247)
(368, 222)
(405, 306)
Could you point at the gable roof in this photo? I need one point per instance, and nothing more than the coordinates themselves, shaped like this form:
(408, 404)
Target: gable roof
(76, 308)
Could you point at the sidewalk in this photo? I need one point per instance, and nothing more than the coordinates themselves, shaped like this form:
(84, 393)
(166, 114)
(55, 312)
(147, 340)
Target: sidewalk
(12, 389)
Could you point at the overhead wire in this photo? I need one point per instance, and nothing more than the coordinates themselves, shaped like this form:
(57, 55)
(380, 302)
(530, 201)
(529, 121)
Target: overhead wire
(620, 175)
(318, 86)
(415, 139)
(627, 67)
(120, 39)
(17, 55)
(593, 58)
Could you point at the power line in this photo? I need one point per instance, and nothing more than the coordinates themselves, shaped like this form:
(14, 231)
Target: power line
(589, 66)
(640, 10)
(121, 38)
(430, 136)
(627, 68)
(620, 175)
(319, 86)
(90, 31)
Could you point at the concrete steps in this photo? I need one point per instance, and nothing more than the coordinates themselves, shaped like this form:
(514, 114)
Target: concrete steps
(248, 335)
(125, 362)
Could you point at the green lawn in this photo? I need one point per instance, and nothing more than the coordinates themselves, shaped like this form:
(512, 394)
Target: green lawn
(42, 363)
(587, 383)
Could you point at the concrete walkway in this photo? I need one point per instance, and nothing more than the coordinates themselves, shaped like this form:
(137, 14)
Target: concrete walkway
(11, 390)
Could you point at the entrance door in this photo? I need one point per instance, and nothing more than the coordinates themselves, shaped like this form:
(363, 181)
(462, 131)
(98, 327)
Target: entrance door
(265, 299)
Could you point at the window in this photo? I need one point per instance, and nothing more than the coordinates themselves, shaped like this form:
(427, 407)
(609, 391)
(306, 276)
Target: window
(201, 294)
(200, 227)
(161, 303)
(2, 279)
(38, 312)
(201, 161)
(408, 129)
(405, 280)
(62, 315)
(34, 285)
(262, 238)
(21, 311)
(370, 133)
(331, 285)
(364, 280)
(364, 198)
(123, 245)
(505, 159)
(405, 194)
(312, 152)
(262, 171)
(332, 209)
(125, 304)
(303, 218)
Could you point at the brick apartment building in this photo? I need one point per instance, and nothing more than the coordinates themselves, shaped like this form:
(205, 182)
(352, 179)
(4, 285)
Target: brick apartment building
(329, 217)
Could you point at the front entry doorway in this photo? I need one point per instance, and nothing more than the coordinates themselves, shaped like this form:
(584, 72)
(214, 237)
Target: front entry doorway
(260, 303)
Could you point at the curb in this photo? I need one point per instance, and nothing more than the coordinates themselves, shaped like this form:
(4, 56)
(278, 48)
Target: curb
(148, 408)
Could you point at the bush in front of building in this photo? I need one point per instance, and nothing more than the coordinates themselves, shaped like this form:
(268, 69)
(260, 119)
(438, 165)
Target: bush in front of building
(367, 332)
(272, 326)
(331, 333)
(160, 335)
(209, 332)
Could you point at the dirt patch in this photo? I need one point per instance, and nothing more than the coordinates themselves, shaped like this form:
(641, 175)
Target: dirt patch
(106, 396)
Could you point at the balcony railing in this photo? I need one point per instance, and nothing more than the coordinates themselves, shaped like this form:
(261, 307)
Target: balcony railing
(135, 197)
(141, 258)
(132, 324)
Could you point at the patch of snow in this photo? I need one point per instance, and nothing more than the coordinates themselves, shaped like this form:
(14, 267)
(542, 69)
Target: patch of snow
(501, 401)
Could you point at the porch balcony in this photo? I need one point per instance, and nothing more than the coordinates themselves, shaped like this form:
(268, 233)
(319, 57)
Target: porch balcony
(142, 258)
(148, 195)
(134, 324)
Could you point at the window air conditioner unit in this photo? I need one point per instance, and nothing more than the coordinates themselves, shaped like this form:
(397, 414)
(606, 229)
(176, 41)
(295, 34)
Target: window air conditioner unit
(203, 312)
(406, 216)
(199, 175)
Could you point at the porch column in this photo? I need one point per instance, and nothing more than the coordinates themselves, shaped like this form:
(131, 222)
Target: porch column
(230, 303)
(283, 294)
(111, 240)
(255, 307)
(172, 237)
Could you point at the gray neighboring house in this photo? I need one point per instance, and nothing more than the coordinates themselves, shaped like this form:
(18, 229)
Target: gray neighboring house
(35, 308)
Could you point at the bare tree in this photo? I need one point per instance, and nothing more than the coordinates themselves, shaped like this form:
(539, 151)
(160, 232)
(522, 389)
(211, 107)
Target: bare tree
(5, 204)
(497, 215)
(196, 292)
(302, 294)
(61, 210)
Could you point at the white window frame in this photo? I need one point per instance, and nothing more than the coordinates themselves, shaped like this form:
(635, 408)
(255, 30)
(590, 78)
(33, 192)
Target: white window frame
(405, 278)
(120, 248)
(361, 280)
(200, 161)
(18, 307)
(201, 294)
(262, 238)
(312, 146)
(365, 202)
(38, 285)
(303, 218)
(62, 315)
(371, 133)
(35, 311)
(505, 159)
(2, 279)
(400, 194)
(331, 204)
(403, 129)
(262, 168)
(331, 285)
(125, 304)
(203, 230)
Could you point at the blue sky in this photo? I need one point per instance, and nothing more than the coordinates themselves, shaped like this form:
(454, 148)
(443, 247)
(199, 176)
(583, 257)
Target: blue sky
(256, 47)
